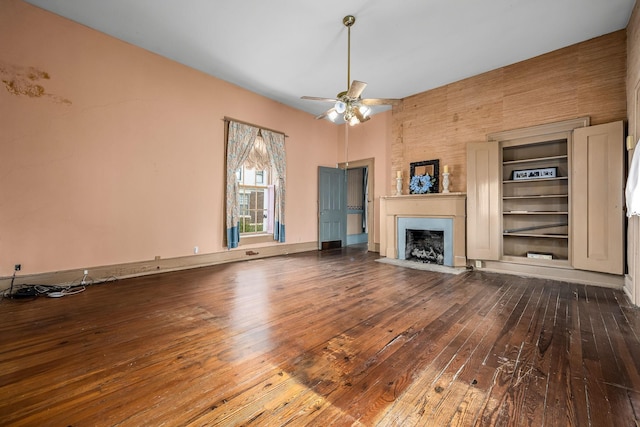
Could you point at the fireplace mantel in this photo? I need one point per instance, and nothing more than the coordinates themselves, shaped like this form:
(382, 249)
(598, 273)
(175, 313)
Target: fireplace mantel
(450, 205)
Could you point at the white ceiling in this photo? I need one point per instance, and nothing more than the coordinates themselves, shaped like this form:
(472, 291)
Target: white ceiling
(284, 49)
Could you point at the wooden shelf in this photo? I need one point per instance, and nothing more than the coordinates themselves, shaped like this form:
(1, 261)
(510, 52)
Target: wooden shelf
(535, 213)
(536, 196)
(537, 159)
(556, 262)
(544, 236)
(521, 181)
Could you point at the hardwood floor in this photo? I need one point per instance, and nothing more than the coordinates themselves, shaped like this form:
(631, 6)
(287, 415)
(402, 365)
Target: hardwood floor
(327, 338)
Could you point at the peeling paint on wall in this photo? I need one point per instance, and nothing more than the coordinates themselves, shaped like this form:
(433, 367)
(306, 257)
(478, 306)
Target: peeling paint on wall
(27, 81)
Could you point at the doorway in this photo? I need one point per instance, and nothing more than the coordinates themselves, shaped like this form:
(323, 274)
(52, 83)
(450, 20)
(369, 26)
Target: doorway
(357, 225)
(360, 213)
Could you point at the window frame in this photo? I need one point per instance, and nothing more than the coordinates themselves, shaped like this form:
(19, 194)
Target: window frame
(268, 222)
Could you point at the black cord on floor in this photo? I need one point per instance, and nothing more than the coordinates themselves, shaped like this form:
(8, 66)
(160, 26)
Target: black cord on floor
(12, 280)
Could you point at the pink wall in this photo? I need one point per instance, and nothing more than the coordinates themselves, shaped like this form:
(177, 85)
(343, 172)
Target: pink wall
(120, 156)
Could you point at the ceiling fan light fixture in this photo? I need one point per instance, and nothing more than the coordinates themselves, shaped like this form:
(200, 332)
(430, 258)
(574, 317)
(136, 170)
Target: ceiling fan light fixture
(349, 104)
(357, 113)
(348, 115)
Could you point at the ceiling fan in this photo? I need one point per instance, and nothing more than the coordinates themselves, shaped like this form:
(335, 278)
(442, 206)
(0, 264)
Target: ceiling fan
(349, 103)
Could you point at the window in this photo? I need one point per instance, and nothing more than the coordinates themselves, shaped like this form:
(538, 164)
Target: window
(255, 183)
(255, 201)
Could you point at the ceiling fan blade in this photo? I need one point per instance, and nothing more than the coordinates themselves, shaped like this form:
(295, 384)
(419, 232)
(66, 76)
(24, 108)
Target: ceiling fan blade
(325, 114)
(356, 89)
(315, 98)
(380, 101)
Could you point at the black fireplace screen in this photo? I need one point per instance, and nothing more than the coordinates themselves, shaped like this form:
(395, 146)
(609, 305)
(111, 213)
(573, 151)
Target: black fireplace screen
(425, 246)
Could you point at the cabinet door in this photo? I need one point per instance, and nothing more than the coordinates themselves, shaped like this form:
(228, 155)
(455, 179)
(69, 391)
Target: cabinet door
(597, 183)
(483, 201)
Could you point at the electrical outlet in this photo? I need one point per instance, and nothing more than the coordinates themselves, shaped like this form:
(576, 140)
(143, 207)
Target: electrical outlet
(86, 272)
(478, 263)
(196, 249)
(18, 267)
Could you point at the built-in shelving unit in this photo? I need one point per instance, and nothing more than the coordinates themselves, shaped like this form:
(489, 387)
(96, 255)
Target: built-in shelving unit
(535, 211)
(566, 221)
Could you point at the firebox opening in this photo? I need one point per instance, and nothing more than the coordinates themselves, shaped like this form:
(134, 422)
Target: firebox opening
(425, 246)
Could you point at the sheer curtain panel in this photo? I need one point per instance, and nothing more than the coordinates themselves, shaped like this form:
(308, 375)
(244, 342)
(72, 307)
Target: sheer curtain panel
(275, 147)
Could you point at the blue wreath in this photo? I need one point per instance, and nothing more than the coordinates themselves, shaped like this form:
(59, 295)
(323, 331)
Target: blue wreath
(421, 184)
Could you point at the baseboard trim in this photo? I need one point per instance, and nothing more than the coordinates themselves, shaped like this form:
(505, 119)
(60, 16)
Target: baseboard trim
(560, 274)
(105, 273)
(355, 239)
(628, 288)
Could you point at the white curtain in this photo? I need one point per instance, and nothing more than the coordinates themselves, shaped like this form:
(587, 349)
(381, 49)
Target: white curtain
(632, 190)
(365, 202)
(274, 143)
(258, 158)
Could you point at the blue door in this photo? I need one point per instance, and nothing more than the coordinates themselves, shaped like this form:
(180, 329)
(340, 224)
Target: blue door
(332, 207)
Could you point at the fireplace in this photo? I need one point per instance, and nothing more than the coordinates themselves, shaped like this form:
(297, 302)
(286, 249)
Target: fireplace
(442, 212)
(427, 240)
(425, 246)
(395, 211)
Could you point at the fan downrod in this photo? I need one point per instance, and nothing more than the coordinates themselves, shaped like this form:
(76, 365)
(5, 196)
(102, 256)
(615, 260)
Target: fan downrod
(348, 21)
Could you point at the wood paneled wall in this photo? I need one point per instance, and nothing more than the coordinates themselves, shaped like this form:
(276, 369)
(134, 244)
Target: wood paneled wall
(585, 79)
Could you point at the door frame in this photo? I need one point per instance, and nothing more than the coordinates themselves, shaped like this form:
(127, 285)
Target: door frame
(632, 256)
(370, 165)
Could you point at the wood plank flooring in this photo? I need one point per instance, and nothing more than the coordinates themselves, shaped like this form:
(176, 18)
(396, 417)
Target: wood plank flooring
(328, 338)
